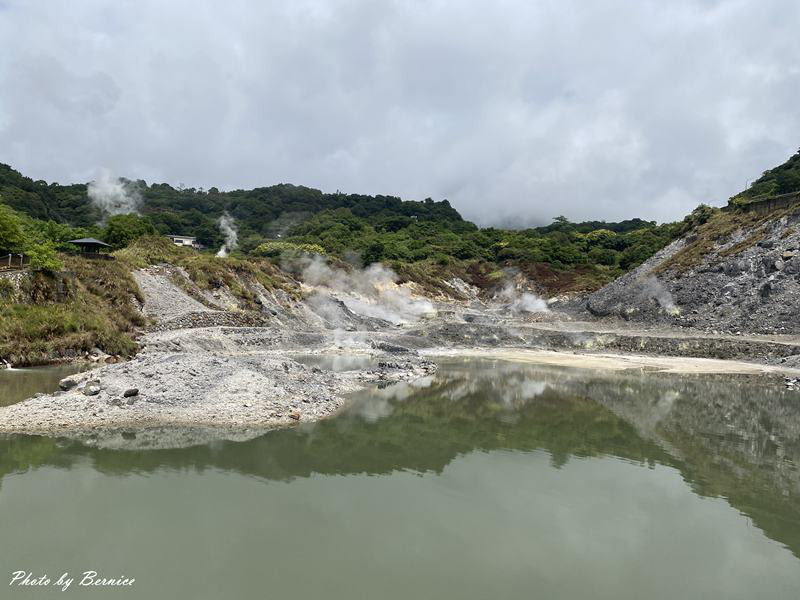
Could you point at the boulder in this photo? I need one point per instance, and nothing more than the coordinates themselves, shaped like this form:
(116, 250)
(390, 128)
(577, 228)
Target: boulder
(792, 266)
(67, 384)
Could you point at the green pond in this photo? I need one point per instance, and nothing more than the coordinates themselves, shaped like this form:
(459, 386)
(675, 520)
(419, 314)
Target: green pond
(490, 480)
(18, 384)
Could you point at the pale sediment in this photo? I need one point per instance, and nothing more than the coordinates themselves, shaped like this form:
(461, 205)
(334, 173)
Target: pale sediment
(621, 362)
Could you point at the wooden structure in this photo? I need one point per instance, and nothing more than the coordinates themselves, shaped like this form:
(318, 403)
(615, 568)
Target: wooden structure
(11, 262)
(92, 248)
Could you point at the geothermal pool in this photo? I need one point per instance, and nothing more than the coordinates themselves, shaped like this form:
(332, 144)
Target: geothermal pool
(489, 480)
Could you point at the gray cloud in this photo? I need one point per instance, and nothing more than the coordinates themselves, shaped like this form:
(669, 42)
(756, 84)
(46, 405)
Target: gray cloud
(515, 110)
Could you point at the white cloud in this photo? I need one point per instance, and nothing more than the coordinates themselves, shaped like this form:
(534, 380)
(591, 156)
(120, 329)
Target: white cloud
(515, 110)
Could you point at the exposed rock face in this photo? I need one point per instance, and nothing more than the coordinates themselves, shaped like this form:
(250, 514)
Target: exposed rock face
(165, 300)
(748, 282)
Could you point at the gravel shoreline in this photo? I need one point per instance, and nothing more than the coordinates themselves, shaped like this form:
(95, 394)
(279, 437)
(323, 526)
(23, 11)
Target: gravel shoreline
(205, 384)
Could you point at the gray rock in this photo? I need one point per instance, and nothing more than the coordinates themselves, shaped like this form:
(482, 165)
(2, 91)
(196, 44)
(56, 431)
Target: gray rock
(391, 348)
(130, 393)
(792, 266)
(67, 384)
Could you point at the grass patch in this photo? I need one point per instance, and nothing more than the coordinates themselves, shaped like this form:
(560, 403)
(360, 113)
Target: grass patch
(151, 250)
(706, 237)
(715, 232)
(92, 304)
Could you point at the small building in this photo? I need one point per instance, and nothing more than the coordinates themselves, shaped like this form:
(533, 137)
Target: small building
(185, 240)
(92, 248)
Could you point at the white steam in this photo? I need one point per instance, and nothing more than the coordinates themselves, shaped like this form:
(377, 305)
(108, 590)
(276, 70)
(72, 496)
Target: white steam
(524, 302)
(652, 288)
(114, 196)
(227, 226)
(371, 292)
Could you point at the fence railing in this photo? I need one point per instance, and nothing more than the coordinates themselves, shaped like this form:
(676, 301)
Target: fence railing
(13, 261)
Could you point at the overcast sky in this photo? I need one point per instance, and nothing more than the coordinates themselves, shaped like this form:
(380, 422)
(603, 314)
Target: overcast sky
(514, 110)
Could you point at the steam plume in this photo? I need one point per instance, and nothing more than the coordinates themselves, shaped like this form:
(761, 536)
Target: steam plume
(525, 302)
(114, 196)
(228, 227)
(652, 288)
(370, 292)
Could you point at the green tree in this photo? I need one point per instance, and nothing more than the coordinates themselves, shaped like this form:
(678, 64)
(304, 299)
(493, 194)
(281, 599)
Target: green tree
(121, 230)
(12, 238)
(43, 256)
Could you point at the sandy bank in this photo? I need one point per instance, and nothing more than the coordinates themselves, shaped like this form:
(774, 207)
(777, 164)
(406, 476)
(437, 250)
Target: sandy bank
(620, 362)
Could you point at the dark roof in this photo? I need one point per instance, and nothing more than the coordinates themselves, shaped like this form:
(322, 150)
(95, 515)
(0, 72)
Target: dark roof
(90, 242)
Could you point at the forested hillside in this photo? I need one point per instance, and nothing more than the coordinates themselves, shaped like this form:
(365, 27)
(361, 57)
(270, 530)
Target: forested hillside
(272, 219)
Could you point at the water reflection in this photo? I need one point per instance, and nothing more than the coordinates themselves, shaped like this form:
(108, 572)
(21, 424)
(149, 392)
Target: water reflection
(728, 438)
(336, 362)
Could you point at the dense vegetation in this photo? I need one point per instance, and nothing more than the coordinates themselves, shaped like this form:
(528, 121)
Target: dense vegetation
(783, 179)
(51, 315)
(286, 218)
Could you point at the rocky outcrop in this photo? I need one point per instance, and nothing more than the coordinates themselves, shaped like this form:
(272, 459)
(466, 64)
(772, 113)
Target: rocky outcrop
(164, 300)
(745, 281)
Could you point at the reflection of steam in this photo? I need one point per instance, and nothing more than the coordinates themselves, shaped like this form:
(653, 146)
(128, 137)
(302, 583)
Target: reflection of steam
(378, 404)
(228, 227)
(113, 196)
(525, 302)
(370, 292)
(652, 288)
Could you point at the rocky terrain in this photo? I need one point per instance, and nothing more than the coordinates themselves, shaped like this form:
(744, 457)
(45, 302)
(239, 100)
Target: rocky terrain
(237, 359)
(203, 384)
(738, 274)
(206, 367)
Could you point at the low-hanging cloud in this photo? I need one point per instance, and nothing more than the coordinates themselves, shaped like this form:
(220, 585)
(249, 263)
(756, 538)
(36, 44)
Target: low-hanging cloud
(591, 109)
